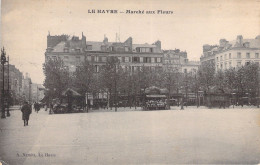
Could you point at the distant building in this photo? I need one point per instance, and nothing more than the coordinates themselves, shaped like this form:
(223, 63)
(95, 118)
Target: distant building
(178, 60)
(26, 88)
(15, 82)
(232, 54)
(37, 92)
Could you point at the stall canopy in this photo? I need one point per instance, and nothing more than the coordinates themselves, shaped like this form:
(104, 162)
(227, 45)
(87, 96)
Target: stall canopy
(73, 92)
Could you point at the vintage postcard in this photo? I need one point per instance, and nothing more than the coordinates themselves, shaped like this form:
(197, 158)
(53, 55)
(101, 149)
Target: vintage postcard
(129, 82)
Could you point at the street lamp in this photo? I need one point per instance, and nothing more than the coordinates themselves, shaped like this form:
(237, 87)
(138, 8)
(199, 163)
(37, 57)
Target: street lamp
(3, 61)
(8, 90)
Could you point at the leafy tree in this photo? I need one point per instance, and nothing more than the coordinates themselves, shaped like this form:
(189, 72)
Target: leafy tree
(220, 80)
(169, 81)
(251, 78)
(206, 76)
(84, 78)
(110, 77)
(56, 77)
(230, 78)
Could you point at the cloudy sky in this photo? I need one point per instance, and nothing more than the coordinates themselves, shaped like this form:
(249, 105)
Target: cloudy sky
(25, 25)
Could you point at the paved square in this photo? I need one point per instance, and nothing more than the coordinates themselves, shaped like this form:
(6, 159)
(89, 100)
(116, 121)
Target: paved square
(133, 137)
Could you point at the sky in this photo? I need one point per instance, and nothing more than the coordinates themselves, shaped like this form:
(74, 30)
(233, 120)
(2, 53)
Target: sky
(25, 25)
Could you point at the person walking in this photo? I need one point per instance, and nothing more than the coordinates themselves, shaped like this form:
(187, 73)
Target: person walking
(37, 107)
(26, 111)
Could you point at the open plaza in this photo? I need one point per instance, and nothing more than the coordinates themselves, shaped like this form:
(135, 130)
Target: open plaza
(132, 136)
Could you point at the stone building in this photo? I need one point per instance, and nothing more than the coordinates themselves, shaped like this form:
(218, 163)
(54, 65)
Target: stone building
(233, 54)
(73, 51)
(26, 88)
(178, 60)
(37, 91)
(15, 82)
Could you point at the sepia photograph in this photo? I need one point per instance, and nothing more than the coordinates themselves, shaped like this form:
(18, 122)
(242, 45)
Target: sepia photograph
(129, 82)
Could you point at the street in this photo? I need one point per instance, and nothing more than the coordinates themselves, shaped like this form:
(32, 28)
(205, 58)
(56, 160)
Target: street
(190, 136)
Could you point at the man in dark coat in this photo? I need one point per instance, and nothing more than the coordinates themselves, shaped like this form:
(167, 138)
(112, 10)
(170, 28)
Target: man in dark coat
(26, 110)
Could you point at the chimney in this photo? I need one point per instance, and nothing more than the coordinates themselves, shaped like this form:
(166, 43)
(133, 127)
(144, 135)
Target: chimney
(105, 41)
(240, 39)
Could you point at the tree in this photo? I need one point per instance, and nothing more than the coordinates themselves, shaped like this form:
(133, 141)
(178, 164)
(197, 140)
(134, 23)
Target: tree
(56, 78)
(220, 80)
(110, 77)
(84, 78)
(206, 76)
(230, 78)
(169, 81)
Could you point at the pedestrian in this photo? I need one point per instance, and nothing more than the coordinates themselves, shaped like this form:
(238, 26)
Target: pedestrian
(37, 107)
(34, 106)
(26, 111)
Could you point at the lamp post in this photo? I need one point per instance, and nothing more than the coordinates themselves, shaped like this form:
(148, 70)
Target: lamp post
(258, 89)
(8, 91)
(3, 61)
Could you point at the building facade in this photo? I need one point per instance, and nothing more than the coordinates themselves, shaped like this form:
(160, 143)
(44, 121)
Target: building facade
(232, 54)
(15, 82)
(37, 92)
(178, 60)
(73, 51)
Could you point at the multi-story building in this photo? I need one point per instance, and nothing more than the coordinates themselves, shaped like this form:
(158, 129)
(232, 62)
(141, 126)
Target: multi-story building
(232, 54)
(37, 92)
(26, 88)
(15, 82)
(177, 60)
(209, 52)
(73, 51)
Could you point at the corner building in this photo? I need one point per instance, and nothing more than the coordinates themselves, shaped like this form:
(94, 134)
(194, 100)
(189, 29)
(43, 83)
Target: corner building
(232, 54)
(73, 51)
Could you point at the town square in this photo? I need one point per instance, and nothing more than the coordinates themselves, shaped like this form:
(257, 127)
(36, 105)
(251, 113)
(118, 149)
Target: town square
(127, 82)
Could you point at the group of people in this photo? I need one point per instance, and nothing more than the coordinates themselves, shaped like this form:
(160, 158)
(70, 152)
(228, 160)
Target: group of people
(27, 110)
(37, 107)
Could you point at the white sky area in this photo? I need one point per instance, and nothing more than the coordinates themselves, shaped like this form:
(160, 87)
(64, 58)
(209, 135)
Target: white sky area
(25, 25)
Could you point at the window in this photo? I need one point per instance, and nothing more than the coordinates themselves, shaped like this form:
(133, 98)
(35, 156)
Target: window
(238, 63)
(185, 70)
(96, 68)
(217, 58)
(89, 58)
(120, 59)
(221, 66)
(229, 55)
(256, 55)
(126, 49)
(238, 54)
(89, 47)
(126, 59)
(159, 59)
(225, 56)
(99, 59)
(152, 60)
(77, 50)
(123, 59)
(92, 58)
(247, 55)
(229, 64)
(221, 58)
(136, 59)
(141, 59)
(225, 66)
(104, 59)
